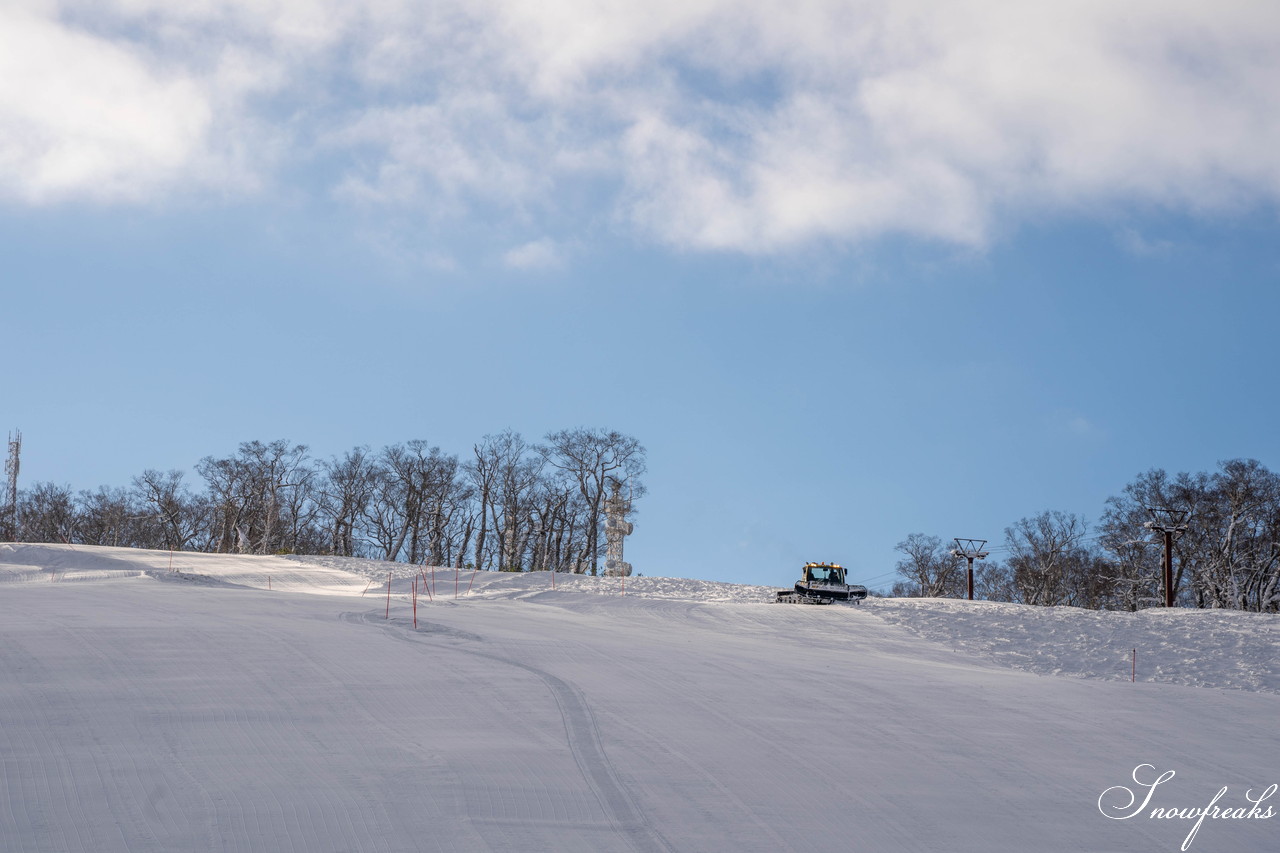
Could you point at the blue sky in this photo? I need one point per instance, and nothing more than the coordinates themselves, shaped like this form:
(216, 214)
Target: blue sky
(849, 270)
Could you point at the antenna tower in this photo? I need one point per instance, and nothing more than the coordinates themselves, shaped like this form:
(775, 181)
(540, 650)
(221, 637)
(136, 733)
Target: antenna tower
(9, 519)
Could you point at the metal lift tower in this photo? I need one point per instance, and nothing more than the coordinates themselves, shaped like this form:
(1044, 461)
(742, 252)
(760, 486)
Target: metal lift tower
(1169, 522)
(970, 549)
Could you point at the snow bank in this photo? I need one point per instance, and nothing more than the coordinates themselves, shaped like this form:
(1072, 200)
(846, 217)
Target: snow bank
(27, 563)
(516, 584)
(1200, 648)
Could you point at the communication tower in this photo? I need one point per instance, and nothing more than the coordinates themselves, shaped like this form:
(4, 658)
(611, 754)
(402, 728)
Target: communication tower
(9, 512)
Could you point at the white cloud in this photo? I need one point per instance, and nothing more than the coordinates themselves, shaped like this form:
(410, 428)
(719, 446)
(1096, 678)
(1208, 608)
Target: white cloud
(82, 116)
(750, 126)
(541, 254)
(1136, 244)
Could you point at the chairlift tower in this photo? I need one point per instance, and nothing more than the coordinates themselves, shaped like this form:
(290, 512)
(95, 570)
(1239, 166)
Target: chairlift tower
(616, 527)
(970, 549)
(1169, 522)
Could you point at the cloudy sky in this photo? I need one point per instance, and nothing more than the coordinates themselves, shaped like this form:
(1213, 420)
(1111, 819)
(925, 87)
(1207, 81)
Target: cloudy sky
(849, 270)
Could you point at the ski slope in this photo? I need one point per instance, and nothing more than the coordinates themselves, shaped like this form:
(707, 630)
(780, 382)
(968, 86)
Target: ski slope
(143, 709)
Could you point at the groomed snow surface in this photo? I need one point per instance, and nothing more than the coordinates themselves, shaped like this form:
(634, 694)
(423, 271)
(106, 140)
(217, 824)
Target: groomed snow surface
(158, 702)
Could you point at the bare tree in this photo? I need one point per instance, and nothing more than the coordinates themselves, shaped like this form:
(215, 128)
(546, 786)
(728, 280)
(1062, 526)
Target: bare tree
(1229, 555)
(108, 517)
(993, 581)
(173, 512)
(511, 506)
(47, 513)
(1241, 520)
(415, 498)
(589, 458)
(1050, 562)
(393, 509)
(276, 472)
(346, 486)
(1134, 558)
(248, 492)
(928, 568)
(517, 473)
(445, 496)
(482, 471)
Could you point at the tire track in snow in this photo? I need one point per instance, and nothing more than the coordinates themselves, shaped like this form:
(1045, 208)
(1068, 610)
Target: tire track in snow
(583, 735)
(781, 757)
(581, 731)
(865, 797)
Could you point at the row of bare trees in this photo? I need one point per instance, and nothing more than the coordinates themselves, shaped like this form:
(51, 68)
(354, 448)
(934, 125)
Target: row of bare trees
(1228, 557)
(508, 505)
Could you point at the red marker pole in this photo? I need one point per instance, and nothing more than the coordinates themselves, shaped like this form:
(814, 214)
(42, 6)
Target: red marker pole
(415, 604)
(473, 580)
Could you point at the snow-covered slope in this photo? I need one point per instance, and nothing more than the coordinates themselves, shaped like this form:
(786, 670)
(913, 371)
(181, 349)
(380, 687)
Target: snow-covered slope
(212, 713)
(1202, 648)
(68, 563)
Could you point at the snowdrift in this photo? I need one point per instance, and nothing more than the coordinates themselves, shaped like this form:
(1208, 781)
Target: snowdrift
(281, 704)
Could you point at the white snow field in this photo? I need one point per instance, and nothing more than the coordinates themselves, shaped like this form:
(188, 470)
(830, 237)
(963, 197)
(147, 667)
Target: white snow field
(143, 709)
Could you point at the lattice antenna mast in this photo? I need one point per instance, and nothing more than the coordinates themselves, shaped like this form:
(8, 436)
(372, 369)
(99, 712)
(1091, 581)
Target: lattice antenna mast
(616, 527)
(1169, 522)
(9, 521)
(970, 549)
